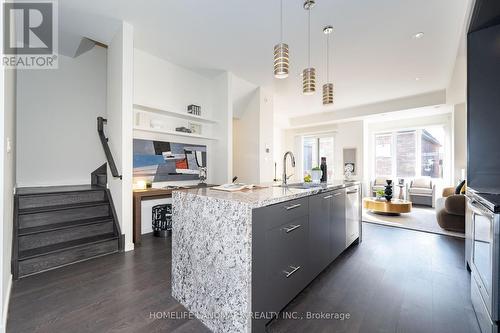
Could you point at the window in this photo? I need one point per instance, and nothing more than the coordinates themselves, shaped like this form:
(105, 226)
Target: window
(406, 154)
(383, 154)
(410, 153)
(314, 148)
(432, 153)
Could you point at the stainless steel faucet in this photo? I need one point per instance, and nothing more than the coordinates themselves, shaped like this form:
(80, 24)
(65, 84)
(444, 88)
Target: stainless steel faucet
(285, 178)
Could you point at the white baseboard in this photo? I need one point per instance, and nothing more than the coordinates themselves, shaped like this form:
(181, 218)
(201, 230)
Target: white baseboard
(129, 247)
(6, 302)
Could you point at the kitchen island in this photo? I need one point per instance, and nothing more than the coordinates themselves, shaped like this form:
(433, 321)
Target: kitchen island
(239, 257)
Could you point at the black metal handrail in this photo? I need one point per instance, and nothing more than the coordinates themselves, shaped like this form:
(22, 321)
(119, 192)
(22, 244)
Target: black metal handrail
(104, 141)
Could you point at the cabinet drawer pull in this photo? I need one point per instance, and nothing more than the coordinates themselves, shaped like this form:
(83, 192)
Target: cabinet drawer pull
(294, 269)
(328, 197)
(292, 206)
(337, 194)
(292, 228)
(352, 192)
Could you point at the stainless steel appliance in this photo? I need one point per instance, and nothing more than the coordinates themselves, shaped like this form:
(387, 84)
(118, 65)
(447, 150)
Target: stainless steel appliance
(353, 214)
(483, 213)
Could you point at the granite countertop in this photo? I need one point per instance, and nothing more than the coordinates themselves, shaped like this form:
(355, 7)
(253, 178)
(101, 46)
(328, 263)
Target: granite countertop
(267, 195)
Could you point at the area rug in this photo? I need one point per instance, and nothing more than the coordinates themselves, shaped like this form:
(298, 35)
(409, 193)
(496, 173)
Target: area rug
(420, 218)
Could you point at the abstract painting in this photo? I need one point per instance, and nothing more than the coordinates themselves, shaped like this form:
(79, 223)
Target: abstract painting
(159, 161)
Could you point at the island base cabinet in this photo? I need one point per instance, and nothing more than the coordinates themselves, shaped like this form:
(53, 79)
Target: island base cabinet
(286, 263)
(292, 243)
(338, 225)
(279, 257)
(320, 219)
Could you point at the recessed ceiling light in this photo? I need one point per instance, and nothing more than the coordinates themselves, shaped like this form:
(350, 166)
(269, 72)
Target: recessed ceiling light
(417, 79)
(418, 35)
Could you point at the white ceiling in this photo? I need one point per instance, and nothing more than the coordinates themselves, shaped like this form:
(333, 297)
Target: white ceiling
(375, 57)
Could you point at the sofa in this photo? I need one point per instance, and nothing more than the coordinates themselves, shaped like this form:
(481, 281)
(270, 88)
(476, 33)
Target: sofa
(450, 210)
(421, 191)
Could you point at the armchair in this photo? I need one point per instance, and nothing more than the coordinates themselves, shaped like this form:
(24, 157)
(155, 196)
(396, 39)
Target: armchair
(450, 210)
(421, 191)
(378, 184)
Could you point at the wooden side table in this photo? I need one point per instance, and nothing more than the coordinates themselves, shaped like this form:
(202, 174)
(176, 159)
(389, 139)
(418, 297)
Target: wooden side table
(148, 194)
(139, 196)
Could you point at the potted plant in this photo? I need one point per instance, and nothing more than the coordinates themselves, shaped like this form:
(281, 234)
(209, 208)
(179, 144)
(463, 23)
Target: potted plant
(316, 174)
(380, 194)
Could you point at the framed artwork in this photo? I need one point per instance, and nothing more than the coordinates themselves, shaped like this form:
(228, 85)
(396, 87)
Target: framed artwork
(159, 161)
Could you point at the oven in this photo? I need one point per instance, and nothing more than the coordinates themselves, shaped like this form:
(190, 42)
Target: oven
(484, 263)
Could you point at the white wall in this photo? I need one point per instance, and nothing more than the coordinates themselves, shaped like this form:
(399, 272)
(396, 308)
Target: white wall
(2, 194)
(346, 135)
(8, 79)
(266, 136)
(456, 96)
(459, 140)
(456, 93)
(362, 111)
(246, 141)
(120, 122)
(223, 148)
(349, 135)
(9, 175)
(253, 139)
(56, 125)
(166, 86)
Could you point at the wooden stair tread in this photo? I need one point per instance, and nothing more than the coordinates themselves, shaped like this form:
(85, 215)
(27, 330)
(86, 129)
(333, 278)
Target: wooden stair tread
(63, 225)
(55, 189)
(40, 251)
(61, 207)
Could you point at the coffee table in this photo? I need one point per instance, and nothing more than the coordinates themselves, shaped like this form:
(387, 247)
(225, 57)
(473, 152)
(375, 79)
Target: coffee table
(393, 207)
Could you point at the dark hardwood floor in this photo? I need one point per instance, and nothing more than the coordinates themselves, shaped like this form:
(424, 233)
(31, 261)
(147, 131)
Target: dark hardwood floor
(396, 281)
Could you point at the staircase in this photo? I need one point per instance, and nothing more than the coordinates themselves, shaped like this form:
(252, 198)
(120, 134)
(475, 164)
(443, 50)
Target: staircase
(62, 225)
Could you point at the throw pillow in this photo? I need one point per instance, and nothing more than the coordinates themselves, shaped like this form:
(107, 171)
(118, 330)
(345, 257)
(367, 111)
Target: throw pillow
(458, 189)
(464, 188)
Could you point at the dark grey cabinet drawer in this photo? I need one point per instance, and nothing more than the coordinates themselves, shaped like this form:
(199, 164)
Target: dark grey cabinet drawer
(286, 264)
(284, 212)
(320, 206)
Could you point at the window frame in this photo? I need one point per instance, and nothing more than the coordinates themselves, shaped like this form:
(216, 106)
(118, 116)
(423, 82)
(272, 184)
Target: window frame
(317, 138)
(418, 150)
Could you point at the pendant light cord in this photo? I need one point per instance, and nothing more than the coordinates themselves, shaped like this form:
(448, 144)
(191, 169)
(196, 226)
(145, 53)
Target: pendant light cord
(281, 20)
(328, 58)
(309, 38)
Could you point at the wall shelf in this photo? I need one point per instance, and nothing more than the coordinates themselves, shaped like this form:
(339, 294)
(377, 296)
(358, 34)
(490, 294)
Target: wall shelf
(159, 111)
(163, 131)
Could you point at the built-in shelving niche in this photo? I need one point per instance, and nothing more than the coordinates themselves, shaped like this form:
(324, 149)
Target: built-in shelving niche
(158, 120)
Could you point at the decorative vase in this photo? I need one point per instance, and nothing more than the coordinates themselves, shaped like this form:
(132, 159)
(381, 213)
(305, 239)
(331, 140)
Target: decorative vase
(388, 190)
(316, 176)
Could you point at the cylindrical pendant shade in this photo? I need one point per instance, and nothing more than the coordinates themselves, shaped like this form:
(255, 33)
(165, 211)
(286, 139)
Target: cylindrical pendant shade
(281, 61)
(328, 93)
(309, 81)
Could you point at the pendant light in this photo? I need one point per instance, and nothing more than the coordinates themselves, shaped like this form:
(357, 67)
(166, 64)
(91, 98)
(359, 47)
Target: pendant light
(309, 74)
(328, 86)
(281, 55)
